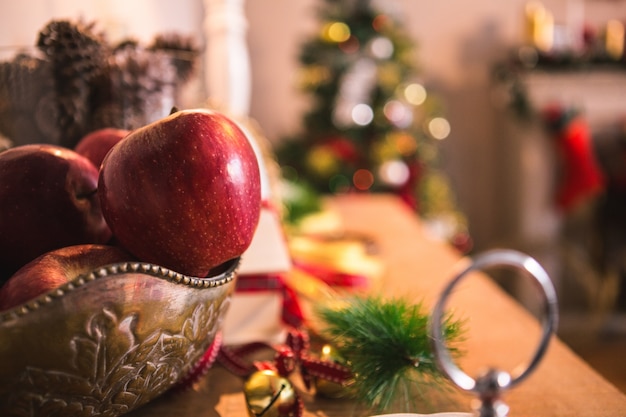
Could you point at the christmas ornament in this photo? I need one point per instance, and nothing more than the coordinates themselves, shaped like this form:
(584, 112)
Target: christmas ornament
(270, 375)
(293, 355)
(269, 395)
(328, 388)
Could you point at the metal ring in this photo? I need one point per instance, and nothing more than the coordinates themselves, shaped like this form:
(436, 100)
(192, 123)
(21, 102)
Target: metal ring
(493, 258)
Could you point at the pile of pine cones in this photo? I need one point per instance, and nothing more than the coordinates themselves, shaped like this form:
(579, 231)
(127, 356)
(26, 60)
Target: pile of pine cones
(75, 82)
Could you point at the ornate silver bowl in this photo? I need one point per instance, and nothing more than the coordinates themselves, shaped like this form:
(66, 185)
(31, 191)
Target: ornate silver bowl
(108, 341)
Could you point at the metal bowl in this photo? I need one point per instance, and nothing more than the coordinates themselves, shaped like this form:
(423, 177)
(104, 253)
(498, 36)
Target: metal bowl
(108, 341)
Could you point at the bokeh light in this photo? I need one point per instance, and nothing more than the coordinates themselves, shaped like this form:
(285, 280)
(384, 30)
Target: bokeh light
(339, 184)
(394, 173)
(404, 143)
(336, 32)
(362, 114)
(439, 128)
(415, 94)
(380, 21)
(363, 179)
(350, 46)
(381, 47)
(322, 161)
(398, 113)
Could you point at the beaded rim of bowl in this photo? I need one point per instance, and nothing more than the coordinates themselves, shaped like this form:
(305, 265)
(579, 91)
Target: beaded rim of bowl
(104, 271)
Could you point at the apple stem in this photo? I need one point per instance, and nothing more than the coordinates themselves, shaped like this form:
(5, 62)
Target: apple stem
(174, 110)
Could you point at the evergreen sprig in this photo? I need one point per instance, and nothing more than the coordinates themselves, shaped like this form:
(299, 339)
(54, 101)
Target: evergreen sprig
(386, 345)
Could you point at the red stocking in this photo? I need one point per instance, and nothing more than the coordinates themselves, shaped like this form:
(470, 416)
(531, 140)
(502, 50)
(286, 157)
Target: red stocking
(582, 177)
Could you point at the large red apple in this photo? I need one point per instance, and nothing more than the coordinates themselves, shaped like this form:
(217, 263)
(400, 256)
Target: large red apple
(48, 200)
(95, 145)
(52, 269)
(183, 192)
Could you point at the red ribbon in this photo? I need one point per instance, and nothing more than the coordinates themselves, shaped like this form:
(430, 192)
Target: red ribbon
(331, 276)
(288, 357)
(292, 314)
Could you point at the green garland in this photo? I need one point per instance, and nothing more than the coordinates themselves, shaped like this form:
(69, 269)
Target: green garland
(386, 345)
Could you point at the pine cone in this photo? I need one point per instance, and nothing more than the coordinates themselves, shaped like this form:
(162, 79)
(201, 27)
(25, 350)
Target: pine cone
(81, 83)
(182, 51)
(77, 56)
(22, 82)
(74, 49)
(140, 84)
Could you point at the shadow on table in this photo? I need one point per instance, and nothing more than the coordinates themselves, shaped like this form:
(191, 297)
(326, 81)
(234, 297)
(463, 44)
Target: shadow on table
(220, 394)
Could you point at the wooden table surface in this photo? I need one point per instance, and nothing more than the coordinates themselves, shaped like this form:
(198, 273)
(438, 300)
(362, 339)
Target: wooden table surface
(500, 333)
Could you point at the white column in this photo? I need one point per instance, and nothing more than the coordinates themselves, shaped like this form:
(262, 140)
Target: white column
(227, 63)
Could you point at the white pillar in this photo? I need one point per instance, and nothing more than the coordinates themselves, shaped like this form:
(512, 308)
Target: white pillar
(227, 63)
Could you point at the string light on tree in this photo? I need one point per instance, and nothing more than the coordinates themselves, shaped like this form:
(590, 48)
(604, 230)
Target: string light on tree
(394, 173)
(362, 114)
(439, 128)
(363, 179)
(398, 114)
(414, 94)
(381, 48)
(336, 32)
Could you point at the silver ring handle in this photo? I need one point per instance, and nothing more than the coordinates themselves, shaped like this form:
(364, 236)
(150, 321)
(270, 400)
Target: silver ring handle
(489, 259)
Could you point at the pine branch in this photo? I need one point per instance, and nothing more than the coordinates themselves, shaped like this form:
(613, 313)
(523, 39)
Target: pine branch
(387, 347)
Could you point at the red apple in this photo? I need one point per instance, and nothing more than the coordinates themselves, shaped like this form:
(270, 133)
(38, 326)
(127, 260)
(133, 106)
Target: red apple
(48, 200)
(183, 192)
(52, 269)
(95, 145)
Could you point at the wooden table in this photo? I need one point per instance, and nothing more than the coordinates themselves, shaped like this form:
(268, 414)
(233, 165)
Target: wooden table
(500, 333)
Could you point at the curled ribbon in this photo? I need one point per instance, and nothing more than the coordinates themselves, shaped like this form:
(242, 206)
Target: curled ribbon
(289, 357)
(292, 314)
(293, 354)
(332, 276)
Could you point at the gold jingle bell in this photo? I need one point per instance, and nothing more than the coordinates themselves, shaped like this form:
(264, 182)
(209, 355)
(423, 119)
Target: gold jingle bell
(330, 389)
(269, 395)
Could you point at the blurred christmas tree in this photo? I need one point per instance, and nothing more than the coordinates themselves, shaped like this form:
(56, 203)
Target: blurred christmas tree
(373, 126)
